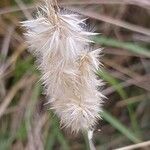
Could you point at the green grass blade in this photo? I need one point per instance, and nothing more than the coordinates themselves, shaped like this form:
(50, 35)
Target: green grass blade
(50, 141)
(57, 133)
(135, 48)
(119, 126)
(113, 82)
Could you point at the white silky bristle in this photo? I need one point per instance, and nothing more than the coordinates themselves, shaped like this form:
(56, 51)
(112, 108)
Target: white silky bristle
(68, 67)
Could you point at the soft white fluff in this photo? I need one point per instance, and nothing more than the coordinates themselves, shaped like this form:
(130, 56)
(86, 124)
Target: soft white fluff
(68, 67)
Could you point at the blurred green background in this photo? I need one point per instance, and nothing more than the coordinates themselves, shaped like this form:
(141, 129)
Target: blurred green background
(26, 124)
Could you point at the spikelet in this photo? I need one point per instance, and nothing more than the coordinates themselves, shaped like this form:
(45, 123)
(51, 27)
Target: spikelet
(61, 46)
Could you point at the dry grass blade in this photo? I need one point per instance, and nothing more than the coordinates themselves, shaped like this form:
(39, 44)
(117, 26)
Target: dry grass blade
(132, 100)
(112, 21)
(20, 84)
(139, 82)
(10, 62)
(3, 53)
(132, 2)
(24, 9)
(142, 145)
(127, 83)
(18, 115)
(128, 72)
(122, 2)
(15, 9)
(20, 49)
(122, 69)
(6, 42)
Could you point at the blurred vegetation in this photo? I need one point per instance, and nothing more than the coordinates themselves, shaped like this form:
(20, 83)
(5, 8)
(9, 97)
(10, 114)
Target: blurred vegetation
(26, 123)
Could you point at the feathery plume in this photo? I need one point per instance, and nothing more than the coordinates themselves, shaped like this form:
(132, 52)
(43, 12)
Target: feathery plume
(61, 45)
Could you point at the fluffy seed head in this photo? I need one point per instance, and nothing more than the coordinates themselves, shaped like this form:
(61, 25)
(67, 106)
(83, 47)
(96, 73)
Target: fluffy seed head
(61, 46)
